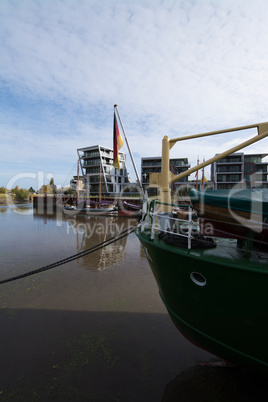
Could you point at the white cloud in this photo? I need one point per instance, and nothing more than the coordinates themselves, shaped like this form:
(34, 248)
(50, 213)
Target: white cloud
(173, 67)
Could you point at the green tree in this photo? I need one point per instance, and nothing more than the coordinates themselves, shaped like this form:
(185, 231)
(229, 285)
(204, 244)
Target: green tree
(3, 190)
(21, 193)
(52, 186)
(48, 189)
(31, 190)
(15, 189)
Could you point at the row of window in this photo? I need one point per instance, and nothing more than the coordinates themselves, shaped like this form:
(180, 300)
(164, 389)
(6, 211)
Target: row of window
(107, 170)
(151, 163)
(228, 178)
(226, 168)
(253, 159)
(237, 177)
(173, 162)
(108, 178)
(230, 159)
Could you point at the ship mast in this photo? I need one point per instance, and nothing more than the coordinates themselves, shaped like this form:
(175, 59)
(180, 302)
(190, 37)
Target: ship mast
(129, 150)
(165, 178)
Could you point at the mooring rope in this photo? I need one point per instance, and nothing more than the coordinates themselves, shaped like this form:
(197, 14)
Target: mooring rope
(73, 257)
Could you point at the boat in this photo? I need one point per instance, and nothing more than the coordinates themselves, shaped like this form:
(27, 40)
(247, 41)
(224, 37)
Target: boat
(233, 213)
(91, 208)
(131, 207)
(214, 288)
(98, 210)
(102, 211)
(129, 210)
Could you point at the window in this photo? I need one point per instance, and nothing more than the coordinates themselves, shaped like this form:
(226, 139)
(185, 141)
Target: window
(234, 177)
(249, 169)
(222, 168)
(221, 178)
(231, 158)
(253, 159)
(235, 168)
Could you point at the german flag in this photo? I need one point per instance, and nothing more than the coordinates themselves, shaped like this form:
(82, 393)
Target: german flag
(118, 143)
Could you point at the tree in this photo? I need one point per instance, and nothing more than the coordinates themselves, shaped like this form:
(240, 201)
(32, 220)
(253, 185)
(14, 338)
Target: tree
(48, 188)
(20, 193)
(3, 190)
(52, 186)
(15, 189)
(31, 190)
(68, 191)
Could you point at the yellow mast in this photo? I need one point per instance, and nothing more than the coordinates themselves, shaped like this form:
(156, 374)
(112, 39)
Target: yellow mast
(196, 184)
(165, 178)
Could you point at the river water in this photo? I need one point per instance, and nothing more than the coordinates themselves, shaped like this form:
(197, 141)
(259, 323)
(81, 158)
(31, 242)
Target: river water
(93, 329)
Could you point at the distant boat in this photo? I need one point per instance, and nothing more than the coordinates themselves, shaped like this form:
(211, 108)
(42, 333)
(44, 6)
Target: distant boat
(131, 207)
(129, 210)
(101, 211)
(214, 288)
(97, 211)
(92, 208)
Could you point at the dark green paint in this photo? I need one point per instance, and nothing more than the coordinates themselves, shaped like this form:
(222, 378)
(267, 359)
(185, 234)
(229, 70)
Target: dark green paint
(229, 315)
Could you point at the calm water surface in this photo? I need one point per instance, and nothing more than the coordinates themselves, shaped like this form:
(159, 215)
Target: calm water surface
(93, 329)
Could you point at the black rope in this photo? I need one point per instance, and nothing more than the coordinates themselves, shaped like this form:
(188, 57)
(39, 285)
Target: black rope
(73, 257)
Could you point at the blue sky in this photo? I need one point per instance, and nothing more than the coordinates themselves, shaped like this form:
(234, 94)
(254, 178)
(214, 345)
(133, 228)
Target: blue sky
(174, 67)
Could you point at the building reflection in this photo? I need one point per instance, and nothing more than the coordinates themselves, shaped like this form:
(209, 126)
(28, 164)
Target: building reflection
(85, 233)
(97, 231)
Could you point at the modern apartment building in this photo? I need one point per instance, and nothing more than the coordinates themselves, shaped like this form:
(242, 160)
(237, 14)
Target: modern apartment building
(96, 163)
(153, 165)
(240, 170)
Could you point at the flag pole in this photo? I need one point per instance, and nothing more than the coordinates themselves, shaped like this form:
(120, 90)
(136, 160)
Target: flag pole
(129, 150)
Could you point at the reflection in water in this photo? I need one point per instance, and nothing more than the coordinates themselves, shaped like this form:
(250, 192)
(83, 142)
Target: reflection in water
(87, 232)
(112, 254)
(94, 231)
(142, 252)
(3, 209)
(22, 209)
(71, 333)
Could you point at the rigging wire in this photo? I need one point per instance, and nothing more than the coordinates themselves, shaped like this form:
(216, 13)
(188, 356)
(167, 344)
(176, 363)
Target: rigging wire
(70, 174)
(73, 257)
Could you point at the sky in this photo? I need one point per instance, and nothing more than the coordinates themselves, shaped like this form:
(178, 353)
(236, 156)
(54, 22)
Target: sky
(173, 67)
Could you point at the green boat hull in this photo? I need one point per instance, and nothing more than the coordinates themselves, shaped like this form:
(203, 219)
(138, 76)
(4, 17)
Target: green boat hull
(217, 298)
(253, 201)
(229, 213)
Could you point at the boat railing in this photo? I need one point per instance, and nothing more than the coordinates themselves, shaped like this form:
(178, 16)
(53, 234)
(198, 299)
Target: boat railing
(168, 222)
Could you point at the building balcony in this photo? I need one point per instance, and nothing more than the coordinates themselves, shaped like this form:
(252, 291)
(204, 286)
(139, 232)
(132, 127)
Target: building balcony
(107, 154)
(151, 165)
(221, 162)
(90, 155)
(229, 172)
(91, 163)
